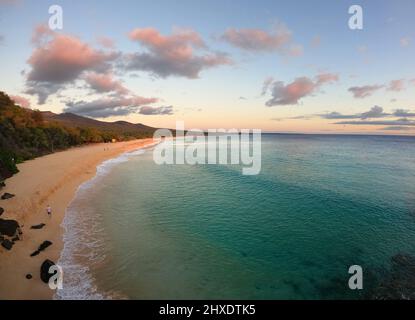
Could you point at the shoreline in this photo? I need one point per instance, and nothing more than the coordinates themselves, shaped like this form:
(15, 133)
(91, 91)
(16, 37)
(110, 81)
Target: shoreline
(52, 179)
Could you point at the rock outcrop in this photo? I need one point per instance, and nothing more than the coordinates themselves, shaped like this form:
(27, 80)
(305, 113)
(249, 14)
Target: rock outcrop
(6, 196)
(9, 233)
(38, 226)
(42, 247)
(44, 270)
(9, 228)
(399, 283)
(7, 244)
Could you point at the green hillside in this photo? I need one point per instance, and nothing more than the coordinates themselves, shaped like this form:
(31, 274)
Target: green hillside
(26, 133)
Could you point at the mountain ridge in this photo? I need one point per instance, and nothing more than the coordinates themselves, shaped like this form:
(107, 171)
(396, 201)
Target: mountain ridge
(75, 120)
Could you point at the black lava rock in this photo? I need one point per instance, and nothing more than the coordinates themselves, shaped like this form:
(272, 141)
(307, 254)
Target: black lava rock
(42, 247)
(9, 227)
(44, 270)
(7, 244)
(38, 226)
(6, 196)
(29, 276)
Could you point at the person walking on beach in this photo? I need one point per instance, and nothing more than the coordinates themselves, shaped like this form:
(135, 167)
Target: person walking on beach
(49, 210)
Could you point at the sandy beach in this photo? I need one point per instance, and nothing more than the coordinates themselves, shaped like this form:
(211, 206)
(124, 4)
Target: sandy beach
(48, 180)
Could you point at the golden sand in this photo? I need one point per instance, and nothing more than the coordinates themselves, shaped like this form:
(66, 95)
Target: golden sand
(49, 180)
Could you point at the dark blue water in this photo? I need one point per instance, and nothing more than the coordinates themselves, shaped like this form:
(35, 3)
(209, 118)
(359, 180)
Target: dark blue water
(320, 204)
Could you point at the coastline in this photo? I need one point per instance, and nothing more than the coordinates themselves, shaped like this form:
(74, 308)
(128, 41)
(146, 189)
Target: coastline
(49, 180)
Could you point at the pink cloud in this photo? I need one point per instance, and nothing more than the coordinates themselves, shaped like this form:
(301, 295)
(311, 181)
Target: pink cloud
(21, 101)
(106, 42)
(41, 33)
(361, 92)
(175, 54)
(256, 39)
(64, 59)
(179, 43)
(327, 78)
(105, 83)
(60, 59)
(279, 40)
(396, 85)
(301, 87)
(364, 91)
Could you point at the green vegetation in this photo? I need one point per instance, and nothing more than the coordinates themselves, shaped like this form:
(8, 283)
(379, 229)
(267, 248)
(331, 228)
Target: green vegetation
(26, 134)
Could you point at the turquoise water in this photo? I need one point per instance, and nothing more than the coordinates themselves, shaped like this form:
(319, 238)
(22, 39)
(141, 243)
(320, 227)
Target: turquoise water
(319, 205)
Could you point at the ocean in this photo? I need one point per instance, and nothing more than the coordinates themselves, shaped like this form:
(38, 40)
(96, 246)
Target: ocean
(320, 204)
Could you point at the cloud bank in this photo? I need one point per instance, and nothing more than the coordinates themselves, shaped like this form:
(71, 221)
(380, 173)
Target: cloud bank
(105, 83)
(146, 110)
(364, 91)
(107, 107)
(183, 53)
(258, 40)
(59, 60)
(374, 112)
(292, 93)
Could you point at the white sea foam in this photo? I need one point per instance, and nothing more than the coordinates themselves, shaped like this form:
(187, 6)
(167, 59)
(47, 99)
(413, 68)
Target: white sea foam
(84, 241)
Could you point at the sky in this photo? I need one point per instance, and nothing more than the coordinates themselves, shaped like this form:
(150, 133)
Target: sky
(280, 66)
